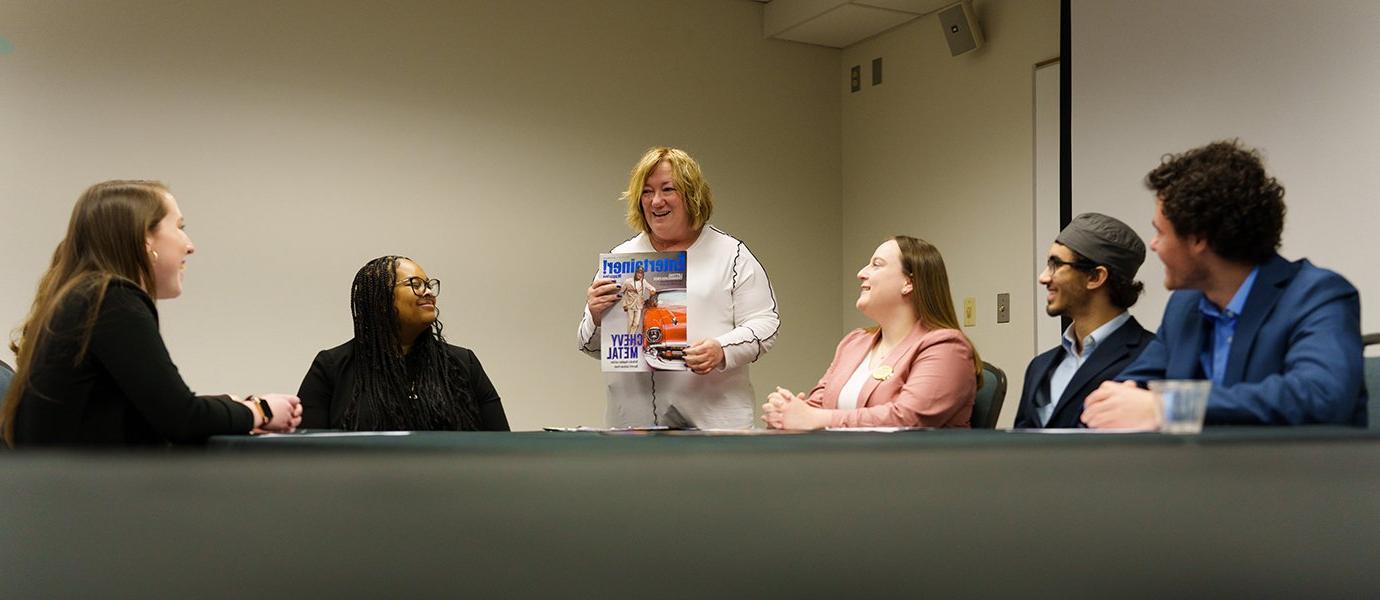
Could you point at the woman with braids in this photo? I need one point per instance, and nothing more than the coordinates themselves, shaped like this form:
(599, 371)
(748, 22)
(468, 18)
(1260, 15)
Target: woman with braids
(914, 369)
(731, 317)
(93, 369)
(398, 373)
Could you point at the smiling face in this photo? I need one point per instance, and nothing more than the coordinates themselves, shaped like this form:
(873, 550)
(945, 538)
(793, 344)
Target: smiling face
(170, 243)
(1067, 287)
(664, 208)
(1182, 267)
(884, 286)
(414, 312)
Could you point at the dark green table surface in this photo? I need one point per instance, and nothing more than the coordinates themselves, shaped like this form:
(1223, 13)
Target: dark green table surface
(1249, 512)
(543, 442)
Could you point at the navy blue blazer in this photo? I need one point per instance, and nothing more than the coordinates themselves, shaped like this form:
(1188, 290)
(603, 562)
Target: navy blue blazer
(1295, 357)
(1106, 362)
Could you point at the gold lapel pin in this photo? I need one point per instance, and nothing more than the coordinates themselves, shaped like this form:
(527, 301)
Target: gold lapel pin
(882, 373)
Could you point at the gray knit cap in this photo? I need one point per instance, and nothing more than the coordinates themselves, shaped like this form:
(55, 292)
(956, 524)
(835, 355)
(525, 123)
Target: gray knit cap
(1105, 241)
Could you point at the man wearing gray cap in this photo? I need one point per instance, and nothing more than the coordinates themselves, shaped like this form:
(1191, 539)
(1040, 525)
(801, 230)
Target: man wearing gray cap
(1090, 276)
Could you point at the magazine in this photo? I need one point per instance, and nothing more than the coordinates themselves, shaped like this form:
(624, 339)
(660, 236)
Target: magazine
(646, 329)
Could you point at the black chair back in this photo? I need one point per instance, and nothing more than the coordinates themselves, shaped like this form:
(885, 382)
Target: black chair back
(6, 374)
(987, 405)
(1372, 367)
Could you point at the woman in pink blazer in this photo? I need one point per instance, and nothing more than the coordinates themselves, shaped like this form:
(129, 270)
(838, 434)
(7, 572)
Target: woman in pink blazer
(913, 369)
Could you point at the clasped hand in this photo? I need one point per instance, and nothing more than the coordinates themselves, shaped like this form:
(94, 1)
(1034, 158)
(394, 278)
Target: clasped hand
(287, 414)
(785, 410)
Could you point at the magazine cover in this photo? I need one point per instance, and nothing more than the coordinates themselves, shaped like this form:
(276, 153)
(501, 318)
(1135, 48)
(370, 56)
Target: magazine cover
(645, 330)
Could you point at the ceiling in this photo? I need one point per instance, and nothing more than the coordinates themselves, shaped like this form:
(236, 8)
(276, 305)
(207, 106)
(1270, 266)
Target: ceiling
(839, 23)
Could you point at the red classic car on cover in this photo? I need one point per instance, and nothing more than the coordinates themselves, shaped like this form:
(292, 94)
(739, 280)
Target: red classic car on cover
(663, 331)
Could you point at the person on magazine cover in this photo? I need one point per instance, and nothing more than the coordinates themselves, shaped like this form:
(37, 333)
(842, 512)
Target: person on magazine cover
(1280, 340)
(731, 309)
(913, 369)
(398, 373)
(92, 366)
(636, 292)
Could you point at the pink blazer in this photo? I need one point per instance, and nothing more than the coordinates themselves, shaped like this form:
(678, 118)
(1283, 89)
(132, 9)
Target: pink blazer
(932, 383)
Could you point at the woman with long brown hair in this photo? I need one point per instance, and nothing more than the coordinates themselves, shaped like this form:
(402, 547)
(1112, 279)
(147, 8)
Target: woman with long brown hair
(93, 368)
(914, 369)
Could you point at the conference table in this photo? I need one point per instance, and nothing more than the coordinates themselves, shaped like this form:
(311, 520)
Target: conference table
(1259, 511)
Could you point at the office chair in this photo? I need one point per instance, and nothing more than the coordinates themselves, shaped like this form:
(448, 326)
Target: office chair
(6, 374)
(1372, 369)
(987, 405)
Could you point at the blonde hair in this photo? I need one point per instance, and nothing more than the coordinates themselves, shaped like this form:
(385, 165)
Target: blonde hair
(106, 241)
(931, 298)
(690, 183)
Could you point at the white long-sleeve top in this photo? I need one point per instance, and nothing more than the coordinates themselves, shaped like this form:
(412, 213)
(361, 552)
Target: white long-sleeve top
(730, 300)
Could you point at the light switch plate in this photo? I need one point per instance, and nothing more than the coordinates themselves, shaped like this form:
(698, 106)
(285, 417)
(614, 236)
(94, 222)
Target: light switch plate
(1003, 308)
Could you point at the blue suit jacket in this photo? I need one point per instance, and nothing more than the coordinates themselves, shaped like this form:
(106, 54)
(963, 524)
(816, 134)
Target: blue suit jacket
(1295, 357)
(1110, 358)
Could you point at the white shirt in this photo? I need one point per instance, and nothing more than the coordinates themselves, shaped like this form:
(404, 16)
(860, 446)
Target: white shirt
(1063, 374)
(729, 299)
(848, 396)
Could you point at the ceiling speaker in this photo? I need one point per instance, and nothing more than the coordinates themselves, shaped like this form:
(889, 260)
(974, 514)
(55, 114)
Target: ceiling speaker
(961, 28)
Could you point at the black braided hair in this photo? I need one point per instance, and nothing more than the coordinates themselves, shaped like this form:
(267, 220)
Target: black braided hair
(425, 390)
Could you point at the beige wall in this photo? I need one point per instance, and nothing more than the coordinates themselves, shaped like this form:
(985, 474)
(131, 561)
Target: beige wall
(942, 150)
(488, 140)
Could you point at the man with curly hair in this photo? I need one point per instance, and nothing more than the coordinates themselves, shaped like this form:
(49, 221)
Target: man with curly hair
(1280, 340)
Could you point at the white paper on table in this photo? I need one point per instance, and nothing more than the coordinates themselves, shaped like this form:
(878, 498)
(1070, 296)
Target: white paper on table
(583, 429)
(875, 429)
(1076, 430)
(340, 434)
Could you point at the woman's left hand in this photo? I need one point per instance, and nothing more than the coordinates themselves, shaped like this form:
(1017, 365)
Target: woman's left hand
(799, 415)
(704, 356)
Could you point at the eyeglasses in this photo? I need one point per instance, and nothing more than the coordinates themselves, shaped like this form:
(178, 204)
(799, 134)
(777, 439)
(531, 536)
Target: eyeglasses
(420, 286)
(1055, 262)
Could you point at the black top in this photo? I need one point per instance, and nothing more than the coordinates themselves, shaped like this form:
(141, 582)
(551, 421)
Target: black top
(1111, 357)
(328, 389)
(125, 390)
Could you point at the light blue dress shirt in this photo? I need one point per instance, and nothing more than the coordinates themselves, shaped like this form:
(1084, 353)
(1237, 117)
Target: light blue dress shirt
(1068, 367)
(1218, 346)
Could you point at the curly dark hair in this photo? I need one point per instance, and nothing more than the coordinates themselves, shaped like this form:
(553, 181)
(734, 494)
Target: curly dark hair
(1122, 291)
(1221, 193)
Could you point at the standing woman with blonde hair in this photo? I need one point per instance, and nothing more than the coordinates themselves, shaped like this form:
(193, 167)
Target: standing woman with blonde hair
(914, 369)
(731, 308)
(93, 368)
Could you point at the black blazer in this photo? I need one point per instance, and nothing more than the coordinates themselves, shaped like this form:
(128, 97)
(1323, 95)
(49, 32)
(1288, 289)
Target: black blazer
(328, 387)
(126, 389)
(1107, 361)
